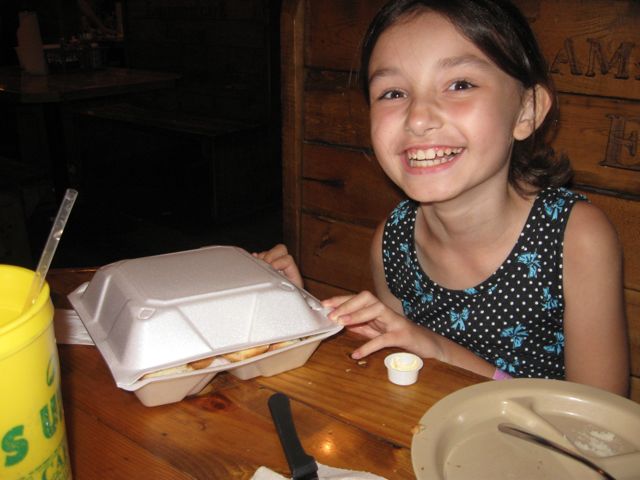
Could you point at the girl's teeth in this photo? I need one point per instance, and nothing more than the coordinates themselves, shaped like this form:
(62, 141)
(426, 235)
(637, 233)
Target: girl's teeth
(431, 156)
(427, 163)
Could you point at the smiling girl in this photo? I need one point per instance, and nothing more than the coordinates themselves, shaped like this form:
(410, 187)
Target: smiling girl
(490, 264)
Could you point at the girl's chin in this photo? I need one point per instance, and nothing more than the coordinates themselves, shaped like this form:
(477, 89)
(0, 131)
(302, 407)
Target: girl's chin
(426, 194)
(432, 200)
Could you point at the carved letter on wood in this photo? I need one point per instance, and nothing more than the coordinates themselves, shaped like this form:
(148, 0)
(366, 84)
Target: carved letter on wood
(621, 57)
(617, 141)
(566, 55)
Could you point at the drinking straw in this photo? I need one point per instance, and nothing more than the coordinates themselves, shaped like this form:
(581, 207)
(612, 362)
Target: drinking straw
(50, 247)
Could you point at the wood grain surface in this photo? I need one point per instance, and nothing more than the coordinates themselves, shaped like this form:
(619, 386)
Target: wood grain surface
(346, 412)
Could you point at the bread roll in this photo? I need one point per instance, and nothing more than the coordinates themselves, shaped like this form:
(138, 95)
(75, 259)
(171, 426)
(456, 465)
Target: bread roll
(231, 357)
(247, 353)
(286, 343)
(169, 371)
(187, 367)
(202, 363)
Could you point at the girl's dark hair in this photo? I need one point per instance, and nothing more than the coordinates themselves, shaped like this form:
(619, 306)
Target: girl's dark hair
(503, 34)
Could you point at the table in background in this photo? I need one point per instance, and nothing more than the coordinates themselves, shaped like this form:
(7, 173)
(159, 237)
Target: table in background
(347, 414)
(41, 100)
(23, 88)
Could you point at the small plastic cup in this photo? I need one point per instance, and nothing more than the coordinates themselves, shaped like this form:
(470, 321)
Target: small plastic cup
(403, 368)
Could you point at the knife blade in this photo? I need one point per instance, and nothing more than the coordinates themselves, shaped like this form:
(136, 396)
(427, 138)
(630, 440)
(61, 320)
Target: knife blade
(302, 465)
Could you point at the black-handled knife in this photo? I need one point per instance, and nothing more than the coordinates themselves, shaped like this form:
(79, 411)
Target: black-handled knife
(303, 466)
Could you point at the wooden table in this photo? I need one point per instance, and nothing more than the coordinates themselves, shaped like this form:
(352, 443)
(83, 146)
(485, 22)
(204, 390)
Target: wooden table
(347, 415)
(18, 87)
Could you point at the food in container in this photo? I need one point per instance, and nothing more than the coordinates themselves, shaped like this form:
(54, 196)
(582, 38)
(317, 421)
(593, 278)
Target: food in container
(153, 317)
(403, 368)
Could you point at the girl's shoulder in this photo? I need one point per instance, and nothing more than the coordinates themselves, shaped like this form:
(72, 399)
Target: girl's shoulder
(401, 219)
(560, 194)
(589, 231)
(402, 211)
(589, 228)
(555, 204)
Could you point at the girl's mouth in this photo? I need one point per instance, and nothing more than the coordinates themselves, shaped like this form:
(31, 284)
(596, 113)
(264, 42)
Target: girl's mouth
(431, 157)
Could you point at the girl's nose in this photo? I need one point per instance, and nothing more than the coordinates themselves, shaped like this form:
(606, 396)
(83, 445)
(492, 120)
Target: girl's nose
(422, 116)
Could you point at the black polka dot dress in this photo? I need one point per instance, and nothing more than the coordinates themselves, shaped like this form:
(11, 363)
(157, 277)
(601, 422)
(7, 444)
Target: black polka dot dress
(514, 318)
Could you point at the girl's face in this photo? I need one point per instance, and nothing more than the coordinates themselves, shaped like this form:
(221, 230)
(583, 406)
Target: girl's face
(443, 116)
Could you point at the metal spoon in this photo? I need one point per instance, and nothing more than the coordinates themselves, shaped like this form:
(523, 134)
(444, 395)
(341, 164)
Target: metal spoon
(518, 432)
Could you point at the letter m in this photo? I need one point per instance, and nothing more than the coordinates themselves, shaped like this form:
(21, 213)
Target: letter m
(620, 57)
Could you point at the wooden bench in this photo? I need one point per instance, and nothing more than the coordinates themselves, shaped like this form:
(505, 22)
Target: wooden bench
(334, 191)
(231, 160)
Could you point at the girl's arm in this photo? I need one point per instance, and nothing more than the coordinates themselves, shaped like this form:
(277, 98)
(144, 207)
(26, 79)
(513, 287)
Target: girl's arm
(595, 329)
(380, 318)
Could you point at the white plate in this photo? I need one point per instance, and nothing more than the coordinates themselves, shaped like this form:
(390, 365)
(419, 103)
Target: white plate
(458, 437)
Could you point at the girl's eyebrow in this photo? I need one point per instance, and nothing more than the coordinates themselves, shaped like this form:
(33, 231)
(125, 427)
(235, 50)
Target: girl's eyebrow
(382, 72)
(448, 62)
(469, 59)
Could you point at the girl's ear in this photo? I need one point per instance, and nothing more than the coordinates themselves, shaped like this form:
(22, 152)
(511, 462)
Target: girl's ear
(535, 106)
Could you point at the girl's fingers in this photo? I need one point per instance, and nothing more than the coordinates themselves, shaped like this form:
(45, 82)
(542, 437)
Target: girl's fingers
(287, 266)
(344, 306)
(282, 263)
(279, 259)
(336, 301)
(373, 345)
(364, 330)
(276, 252)
(363, 315)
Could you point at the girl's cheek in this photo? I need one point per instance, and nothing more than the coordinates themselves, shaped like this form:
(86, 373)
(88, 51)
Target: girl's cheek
(462, 109)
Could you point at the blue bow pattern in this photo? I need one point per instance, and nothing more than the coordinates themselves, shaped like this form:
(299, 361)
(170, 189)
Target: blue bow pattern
(458, 319)
(400, 212)
(506, 366)
(517, 335)
(406, 307)
(558, 346)
(549, 302)
(532, 261)
(554, 209)
(424, 297)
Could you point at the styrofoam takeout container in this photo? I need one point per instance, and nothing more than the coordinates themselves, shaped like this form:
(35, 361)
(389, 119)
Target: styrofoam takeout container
(153, 313)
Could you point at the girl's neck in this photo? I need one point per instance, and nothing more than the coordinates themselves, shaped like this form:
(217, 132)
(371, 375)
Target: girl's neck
(459, 244)
(485, 219)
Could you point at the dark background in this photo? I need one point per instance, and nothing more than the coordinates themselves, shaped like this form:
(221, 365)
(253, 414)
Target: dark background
(145, 189)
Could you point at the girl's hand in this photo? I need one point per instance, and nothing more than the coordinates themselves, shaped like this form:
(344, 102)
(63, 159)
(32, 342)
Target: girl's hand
(366, 315)
(278, 257)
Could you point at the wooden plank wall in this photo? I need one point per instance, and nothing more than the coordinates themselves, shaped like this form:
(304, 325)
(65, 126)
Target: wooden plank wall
(334, 191)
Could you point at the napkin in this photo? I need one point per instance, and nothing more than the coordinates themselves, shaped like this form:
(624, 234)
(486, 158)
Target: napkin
(324, 473)
(69, 328)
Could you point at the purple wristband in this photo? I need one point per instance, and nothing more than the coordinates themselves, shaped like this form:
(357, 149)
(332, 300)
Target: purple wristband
(500, 375)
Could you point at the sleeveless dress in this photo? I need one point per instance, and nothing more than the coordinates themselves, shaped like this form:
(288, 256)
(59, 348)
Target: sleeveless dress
(514, 318)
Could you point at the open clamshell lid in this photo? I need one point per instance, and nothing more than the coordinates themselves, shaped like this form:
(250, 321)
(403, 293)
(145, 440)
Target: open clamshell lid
(157, 312)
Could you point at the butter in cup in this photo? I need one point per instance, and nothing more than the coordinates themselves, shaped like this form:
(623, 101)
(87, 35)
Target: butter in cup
(403, 368)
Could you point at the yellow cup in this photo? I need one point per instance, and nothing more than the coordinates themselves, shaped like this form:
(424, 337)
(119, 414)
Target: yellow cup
(33, 442)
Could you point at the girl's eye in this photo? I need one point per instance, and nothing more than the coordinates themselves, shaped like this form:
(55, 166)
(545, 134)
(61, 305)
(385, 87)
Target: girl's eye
(461, 85)
(391, 95)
